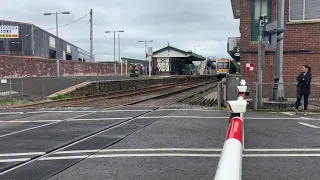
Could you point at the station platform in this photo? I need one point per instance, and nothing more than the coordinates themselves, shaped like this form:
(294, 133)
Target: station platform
(43, 87)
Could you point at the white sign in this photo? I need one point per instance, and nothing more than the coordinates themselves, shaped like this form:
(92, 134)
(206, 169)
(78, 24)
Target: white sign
(68, 49)
(52, 42)
(9, 31)
(4, 81)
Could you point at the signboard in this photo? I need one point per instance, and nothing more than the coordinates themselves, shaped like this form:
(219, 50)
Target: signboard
(249, 67)
(52, 42)
(4, 81)
(9, 31)
(68, 49)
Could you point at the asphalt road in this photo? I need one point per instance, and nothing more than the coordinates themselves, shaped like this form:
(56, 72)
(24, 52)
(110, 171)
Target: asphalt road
(150, 143)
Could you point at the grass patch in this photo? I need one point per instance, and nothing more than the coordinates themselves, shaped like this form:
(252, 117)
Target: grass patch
(60, 97)
(12, 101)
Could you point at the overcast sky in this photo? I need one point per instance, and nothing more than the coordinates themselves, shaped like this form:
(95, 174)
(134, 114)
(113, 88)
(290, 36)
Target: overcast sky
(184, 24)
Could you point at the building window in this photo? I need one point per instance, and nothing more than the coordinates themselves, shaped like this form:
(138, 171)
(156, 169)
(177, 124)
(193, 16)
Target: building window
(1, 45)
(259, 8)
(15, 46)
(304, 10)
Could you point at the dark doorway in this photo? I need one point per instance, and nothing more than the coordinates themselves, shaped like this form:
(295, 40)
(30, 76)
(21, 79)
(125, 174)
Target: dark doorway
(68, 57)
(52, 54)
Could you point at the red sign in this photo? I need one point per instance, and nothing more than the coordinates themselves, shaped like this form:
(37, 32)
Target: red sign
(249, 67)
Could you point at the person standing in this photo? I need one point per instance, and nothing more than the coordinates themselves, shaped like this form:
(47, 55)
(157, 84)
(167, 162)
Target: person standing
(304, 87)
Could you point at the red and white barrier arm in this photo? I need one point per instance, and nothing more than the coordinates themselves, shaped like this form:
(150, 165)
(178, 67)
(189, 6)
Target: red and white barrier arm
(230, 163)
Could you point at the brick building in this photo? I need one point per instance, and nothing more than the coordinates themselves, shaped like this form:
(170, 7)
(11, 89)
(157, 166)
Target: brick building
(301, 39)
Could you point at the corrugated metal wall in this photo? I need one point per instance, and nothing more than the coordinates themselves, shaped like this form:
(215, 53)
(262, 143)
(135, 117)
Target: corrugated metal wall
(24, 37)
(36, 42)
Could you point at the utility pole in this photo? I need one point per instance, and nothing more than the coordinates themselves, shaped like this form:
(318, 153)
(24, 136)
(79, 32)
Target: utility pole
(114, 52)
(91, 36)
(119, 54)
(278, 89)
(260, 59)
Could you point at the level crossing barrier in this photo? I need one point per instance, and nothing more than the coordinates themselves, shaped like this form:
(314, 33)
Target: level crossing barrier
(230, 163)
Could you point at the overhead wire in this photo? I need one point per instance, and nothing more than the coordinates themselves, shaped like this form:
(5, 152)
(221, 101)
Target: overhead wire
(70, 22)
(103, 20)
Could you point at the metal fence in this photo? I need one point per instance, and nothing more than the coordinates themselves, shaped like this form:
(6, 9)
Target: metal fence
(16, 88)
(270, 101)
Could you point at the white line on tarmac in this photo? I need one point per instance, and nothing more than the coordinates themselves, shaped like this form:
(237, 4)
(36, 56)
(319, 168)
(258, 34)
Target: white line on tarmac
(35, 121)
(4, 113)
(283, 150)
(22, 154)
(14, 160)
(140, 150)
(281, 155)
(186, 117)
(288, 113)
(206, 110)
(36, 112)
(309, 125)
(36, 127)
(130, 110)
(100, 119)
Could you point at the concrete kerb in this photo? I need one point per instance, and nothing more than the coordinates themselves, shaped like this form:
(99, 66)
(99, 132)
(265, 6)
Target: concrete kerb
(103, 87)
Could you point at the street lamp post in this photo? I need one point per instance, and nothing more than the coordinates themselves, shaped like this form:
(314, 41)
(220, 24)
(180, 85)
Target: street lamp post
(114, 48)
(145, 46)
(56, 13)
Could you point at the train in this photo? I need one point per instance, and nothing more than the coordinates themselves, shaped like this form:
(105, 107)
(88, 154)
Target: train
(226, 66)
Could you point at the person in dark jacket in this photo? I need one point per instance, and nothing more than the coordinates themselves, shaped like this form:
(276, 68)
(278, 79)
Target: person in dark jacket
(303, 87)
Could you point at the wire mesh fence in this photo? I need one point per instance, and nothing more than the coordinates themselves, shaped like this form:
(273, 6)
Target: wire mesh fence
(16, 88)
(271, 99)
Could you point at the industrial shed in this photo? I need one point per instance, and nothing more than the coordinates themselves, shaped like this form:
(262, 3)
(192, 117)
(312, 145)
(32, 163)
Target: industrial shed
(24, 39)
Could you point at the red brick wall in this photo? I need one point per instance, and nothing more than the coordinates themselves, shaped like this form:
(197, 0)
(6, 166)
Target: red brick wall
(297, 37)
(18, 66)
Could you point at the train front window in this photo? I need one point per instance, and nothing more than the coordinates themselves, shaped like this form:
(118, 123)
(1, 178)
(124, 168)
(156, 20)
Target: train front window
(223, 65)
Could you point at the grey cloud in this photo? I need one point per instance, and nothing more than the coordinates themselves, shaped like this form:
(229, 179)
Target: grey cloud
(184, 24)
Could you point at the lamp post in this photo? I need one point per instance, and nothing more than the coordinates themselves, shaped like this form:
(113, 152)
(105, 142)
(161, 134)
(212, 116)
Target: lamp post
(145, 46)
(56, 13)
(114, 49)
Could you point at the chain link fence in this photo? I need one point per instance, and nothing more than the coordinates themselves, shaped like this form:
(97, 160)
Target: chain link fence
(270, 100)
(17, 89)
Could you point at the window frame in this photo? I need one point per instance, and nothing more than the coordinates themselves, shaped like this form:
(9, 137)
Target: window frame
(303, 15)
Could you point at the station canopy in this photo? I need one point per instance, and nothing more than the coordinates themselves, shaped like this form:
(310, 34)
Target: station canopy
(175, 53)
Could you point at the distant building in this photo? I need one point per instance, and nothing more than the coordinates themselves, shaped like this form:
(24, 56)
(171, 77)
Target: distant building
(23, 39)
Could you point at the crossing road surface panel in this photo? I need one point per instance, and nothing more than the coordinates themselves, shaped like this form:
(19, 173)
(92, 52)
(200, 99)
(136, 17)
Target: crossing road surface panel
(150, 143)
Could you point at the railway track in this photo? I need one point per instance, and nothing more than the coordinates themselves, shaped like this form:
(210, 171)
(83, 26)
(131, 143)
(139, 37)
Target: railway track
(117, 98)
(176, 94)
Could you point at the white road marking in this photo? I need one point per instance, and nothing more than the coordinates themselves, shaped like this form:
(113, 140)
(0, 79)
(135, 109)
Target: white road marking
(163, 149)
(309, 125)
(36, 127)
(206, 110)
(130, 110)
(288, 113)
(22, 154)
(78, 151)
(37, 112)
(100, 119)
(186, 117)
(35, 121)
(13, 160)
(16, 132)
(283, 149)
(281, 155)
(5, 113)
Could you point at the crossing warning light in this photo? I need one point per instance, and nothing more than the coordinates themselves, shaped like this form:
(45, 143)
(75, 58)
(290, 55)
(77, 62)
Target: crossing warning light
(272, 35)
